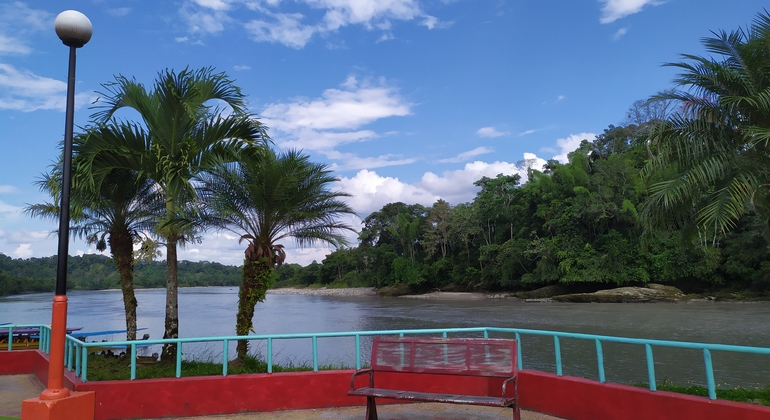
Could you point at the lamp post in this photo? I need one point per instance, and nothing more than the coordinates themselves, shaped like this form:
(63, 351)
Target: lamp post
(74, 29)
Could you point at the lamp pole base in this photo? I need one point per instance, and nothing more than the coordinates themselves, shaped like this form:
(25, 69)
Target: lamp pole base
(56, 389)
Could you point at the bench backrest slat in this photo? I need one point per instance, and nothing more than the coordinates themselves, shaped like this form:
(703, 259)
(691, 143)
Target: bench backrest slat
(452, 356)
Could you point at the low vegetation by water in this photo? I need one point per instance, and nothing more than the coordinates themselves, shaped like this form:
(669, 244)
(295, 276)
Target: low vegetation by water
(752, 395)
(103, 368)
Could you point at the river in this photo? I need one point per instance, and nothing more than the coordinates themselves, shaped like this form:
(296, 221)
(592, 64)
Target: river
(211, 312)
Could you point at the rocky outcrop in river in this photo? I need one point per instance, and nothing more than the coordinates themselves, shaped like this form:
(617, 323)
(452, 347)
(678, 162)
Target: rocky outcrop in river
(651, 292)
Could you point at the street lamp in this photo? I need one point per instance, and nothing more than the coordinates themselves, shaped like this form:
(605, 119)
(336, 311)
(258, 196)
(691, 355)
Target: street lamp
(74, 29)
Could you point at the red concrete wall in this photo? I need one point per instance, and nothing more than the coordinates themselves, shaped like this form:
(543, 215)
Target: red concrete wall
(19, 361)
(567, 397)
(583, 399)
(31, 361)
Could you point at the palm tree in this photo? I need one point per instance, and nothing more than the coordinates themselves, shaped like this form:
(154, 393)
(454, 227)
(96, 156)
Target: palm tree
(713, 154)
(265, 198)
(180, 133)
(124, 206)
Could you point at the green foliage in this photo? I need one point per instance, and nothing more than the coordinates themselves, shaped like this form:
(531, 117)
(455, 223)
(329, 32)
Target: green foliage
(97, 272)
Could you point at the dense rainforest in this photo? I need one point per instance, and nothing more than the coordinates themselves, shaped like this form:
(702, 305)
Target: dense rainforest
(95, 272)
(574, 224)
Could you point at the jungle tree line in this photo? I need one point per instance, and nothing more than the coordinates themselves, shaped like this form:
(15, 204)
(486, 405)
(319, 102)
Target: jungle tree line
(575, 224)
(98, 272)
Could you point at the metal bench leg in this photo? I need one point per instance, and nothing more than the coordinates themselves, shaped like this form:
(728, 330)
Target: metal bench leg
(516, 412)
(371, 409)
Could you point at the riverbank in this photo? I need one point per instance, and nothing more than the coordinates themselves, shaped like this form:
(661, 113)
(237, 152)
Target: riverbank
(371, 291)
(647, 294)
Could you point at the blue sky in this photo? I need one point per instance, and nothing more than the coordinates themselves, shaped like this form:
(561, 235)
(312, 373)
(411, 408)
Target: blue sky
(407, 100)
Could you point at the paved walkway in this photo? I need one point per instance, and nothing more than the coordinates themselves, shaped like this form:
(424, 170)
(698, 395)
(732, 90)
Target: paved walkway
(16, 388)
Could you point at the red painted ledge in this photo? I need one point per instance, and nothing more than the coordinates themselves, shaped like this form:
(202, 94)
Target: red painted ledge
(567, 397)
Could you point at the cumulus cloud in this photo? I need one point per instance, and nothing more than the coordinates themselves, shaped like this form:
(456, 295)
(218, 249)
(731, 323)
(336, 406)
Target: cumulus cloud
(371, 191)
(23, 251)
(490, 132)
(353, 105)
(570, 143)
(336, 118)
(269, 21)
(617, 9)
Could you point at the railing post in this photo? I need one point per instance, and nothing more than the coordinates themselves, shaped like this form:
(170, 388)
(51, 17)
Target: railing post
(600, 360)
(179, 359)
(557, 351)
(315, 354)
(225, 356)
(519, 359)
(709, 374)
(650, 368)
(84, 365)
(133, 361)
(358, 351)
(270, 355)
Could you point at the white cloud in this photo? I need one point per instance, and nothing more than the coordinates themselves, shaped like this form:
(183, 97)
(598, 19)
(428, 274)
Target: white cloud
(490, 132)
(8, 189)
(619, 34)
(17, 23)
(570, 144)
(464, 156)
(370, 191)
(22, 90)
(617, 9)
(9, 45)
(286, 29)
(354, 105)
(241, 68)
(23, 251)
(9, 211)
(119, 12)
(268, 22)
(351, 161)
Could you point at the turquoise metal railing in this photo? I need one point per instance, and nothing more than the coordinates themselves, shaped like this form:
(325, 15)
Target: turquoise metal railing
(76, 352)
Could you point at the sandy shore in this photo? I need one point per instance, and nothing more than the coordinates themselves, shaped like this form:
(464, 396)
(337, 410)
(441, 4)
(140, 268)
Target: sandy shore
(371, 291)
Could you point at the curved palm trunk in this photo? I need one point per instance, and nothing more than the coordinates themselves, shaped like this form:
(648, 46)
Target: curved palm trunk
(121, 247)
(256, 276)
(172, 299)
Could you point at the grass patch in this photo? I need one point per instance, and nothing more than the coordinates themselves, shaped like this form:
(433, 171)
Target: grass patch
(101, 368)
(8, 418)
(752, 395)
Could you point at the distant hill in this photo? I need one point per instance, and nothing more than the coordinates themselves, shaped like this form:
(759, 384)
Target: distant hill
(97, 272)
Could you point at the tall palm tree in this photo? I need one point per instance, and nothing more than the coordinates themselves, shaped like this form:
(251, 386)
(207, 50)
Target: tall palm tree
(714, 153)
(120, 211)
(187, 121)
(265, 198)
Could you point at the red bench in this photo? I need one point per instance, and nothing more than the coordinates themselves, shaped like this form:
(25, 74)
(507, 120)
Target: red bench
(493, 358)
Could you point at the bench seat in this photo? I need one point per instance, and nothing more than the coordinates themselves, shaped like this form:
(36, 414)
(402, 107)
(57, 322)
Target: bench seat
(433, 397)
